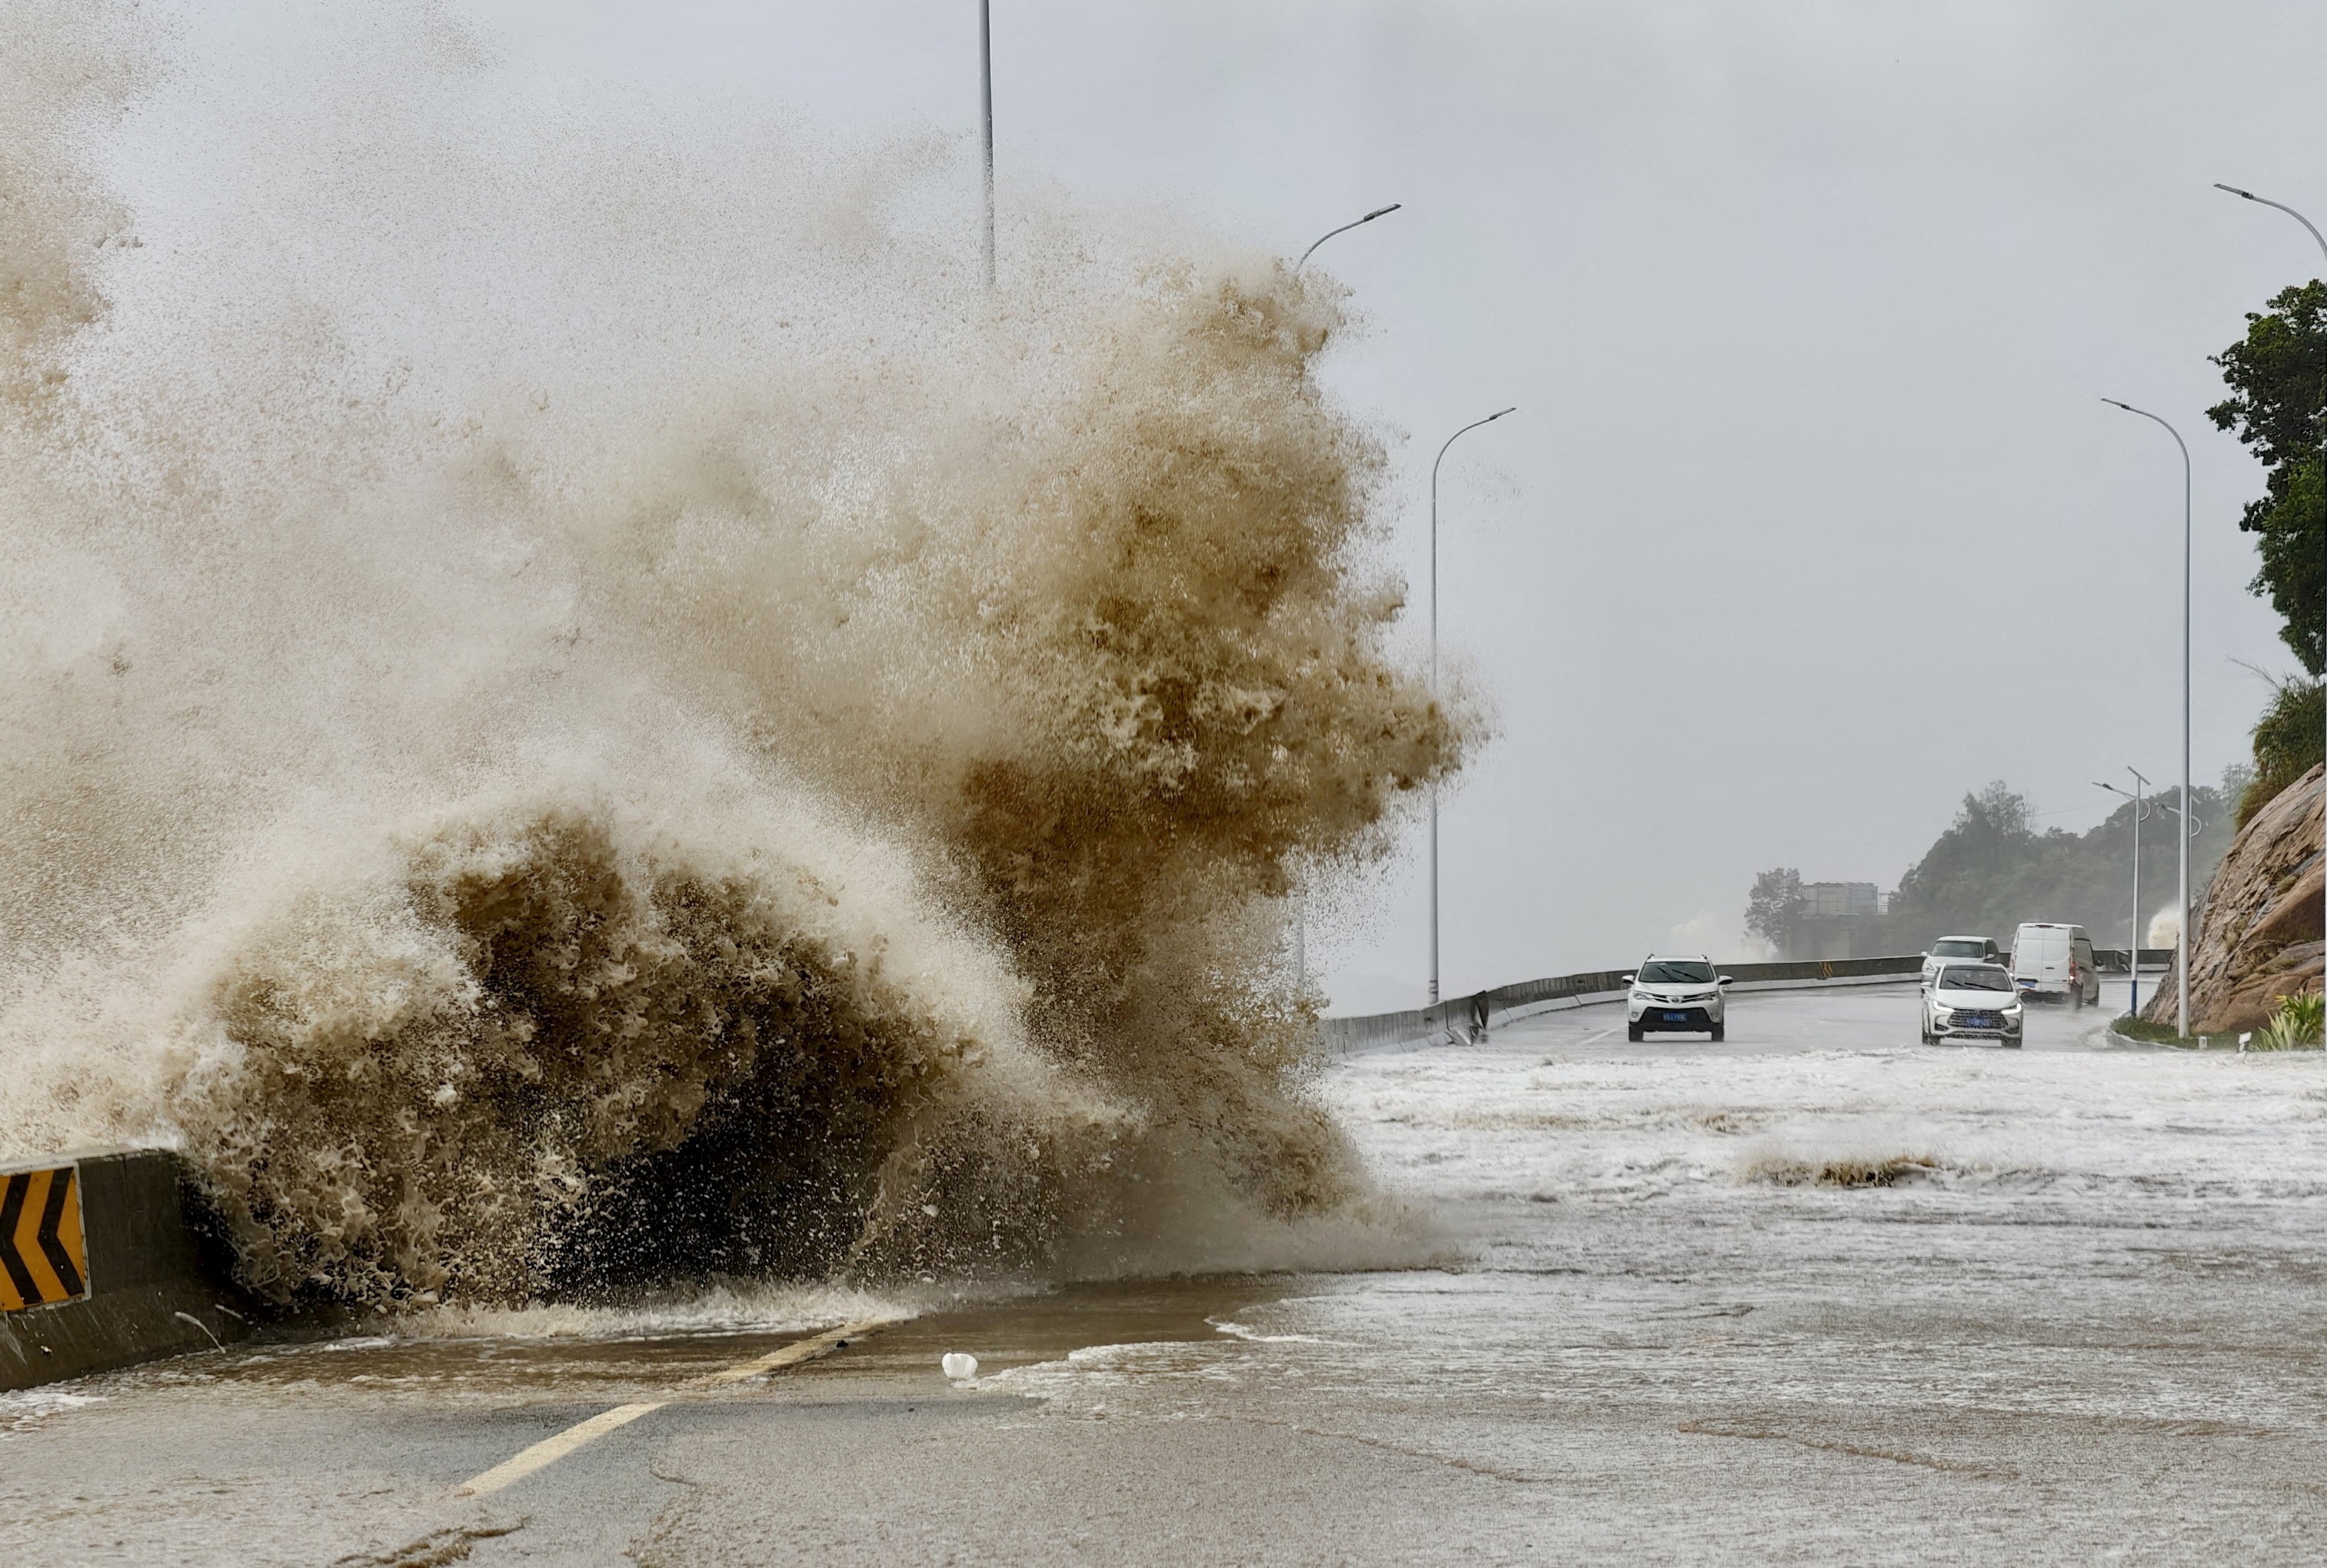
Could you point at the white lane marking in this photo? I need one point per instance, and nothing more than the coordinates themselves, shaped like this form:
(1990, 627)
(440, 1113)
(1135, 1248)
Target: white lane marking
(798, 1351)
(1590, 1038)
(550, 1449)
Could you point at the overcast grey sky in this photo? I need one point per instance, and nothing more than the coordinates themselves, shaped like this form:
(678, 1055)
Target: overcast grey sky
(1812, 521)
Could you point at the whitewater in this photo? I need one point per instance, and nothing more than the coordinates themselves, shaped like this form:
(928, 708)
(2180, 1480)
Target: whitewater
(584, 711)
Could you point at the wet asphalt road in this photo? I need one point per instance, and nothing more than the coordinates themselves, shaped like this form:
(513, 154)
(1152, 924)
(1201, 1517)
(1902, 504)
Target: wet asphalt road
(1818, 1295)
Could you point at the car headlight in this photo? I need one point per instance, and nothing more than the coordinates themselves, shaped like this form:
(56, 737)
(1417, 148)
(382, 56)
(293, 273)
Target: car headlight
(1639, 995)
(1941, 1012)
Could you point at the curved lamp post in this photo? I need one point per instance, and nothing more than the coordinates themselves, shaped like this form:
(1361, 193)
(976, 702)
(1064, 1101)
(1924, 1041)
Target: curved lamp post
(2182, 932)
(2290, 212)
(1451, 440)
(1301, 920)
(1369, 218)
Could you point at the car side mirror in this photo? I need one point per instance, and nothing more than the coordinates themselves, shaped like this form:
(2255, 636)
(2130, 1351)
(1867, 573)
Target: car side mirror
(1629, 978)
(1729, 980)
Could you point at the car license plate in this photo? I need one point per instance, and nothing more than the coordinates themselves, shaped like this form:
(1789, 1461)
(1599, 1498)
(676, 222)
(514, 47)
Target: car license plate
(1675, 1018)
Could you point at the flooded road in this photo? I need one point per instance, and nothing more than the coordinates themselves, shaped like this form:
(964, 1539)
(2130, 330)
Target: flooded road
(1818, 1295)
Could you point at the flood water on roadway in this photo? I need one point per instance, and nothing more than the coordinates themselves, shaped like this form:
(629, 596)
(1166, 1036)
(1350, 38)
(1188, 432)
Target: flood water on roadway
(1818, 1295)
(2062, 1301)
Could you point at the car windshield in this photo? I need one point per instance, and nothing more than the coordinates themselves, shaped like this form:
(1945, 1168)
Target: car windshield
(1675, 972)
(1974, 978)
(1956, 949)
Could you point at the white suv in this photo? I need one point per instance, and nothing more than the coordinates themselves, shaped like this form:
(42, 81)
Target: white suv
(1972, 1002)
(1959, 950)
(1675, 991)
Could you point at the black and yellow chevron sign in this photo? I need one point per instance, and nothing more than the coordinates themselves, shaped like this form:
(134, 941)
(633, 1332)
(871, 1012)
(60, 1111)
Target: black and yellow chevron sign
(42, 1257)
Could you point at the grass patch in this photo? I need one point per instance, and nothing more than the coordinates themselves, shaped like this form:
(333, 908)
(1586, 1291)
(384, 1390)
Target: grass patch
(2137, 1028)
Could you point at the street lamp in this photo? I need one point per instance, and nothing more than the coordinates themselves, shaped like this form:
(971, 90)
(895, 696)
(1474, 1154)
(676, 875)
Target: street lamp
(1369, 218)
(2133, 959)
(2181, 925)
(2322, 238)
(986, 101)
(1301, 911)
(1451, 440)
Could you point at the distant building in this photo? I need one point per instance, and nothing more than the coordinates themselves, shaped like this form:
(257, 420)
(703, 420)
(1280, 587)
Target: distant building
(1831, 913)
(1838, 900)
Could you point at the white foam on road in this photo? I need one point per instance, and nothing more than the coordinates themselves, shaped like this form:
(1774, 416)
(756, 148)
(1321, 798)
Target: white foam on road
(1544, 1112)
(1819, 1288)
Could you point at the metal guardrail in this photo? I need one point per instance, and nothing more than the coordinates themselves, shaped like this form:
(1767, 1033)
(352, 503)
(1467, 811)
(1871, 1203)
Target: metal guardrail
(1462, 1018)
(2112, 960)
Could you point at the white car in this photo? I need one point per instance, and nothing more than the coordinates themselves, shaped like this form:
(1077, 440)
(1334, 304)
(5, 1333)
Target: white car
(1972, 1002)
(2051, 959)
(1675, 992)
(1962, 949)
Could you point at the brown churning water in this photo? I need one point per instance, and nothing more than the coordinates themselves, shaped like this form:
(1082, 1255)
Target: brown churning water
(703, 745)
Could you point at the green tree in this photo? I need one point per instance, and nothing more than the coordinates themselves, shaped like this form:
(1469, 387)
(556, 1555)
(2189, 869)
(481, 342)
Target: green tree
(1991, 869)
(1774, 910)
(2277, 377)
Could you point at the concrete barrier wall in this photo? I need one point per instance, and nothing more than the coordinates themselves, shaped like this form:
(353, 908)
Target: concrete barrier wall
(1453, 1019)
(147, 1290)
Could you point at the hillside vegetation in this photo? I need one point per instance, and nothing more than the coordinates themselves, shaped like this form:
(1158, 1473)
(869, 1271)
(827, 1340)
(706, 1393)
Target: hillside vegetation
(1993, 869)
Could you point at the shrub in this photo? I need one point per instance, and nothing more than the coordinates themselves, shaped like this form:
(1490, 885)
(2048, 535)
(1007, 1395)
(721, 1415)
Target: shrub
(2295, 1026)
(2288, 741)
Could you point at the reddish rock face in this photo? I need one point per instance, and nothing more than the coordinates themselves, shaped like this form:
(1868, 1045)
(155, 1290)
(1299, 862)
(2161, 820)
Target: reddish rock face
(2258, 923)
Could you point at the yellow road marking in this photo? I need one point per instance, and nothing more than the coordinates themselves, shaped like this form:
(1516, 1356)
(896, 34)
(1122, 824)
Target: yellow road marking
(550, 1449)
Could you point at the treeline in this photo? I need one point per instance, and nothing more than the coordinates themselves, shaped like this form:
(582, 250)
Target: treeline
(2278, 407)
(1993, 869)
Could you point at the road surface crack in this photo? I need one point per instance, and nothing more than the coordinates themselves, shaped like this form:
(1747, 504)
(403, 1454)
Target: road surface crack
(1451, 1462)
(433, 1550)
(1858, 1451)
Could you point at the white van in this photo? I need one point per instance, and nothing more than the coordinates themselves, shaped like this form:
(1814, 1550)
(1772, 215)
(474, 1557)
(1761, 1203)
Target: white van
(2055, 960)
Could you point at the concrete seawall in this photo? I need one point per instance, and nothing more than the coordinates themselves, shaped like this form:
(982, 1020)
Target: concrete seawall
(105, 1265)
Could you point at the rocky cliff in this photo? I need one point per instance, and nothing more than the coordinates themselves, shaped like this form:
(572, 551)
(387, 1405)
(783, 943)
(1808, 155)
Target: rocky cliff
(2257, 930)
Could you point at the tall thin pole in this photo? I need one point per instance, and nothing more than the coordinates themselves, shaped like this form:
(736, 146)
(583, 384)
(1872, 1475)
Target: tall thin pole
(1474, 424)
(1300, 902)
(986, 100)
(2182, 935)
(2139, 784)
(2140, 810)
(2322, 238)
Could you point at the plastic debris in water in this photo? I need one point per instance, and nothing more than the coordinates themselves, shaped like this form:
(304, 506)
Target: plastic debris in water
(961, 1368)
